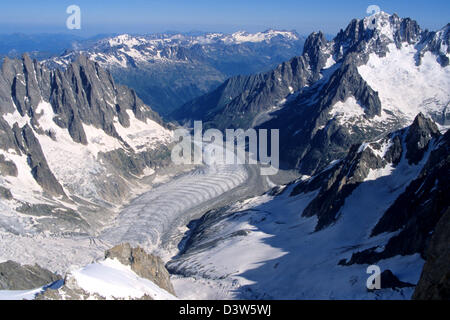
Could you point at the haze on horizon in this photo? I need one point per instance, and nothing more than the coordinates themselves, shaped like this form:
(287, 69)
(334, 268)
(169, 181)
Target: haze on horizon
(139, 16)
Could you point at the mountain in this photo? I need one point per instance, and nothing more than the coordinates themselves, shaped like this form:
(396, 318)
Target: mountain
(74, 146)
(315, 237)
(363, 120)
(363, 83)
(167, 70)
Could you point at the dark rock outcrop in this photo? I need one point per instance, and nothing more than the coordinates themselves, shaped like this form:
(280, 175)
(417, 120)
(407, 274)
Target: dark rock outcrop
(14, 276)
(419, 135)
(7, 168)
(5, 193)
(388, 280)
(338, 184)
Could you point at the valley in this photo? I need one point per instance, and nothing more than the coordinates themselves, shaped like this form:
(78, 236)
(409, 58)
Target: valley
(90, 193)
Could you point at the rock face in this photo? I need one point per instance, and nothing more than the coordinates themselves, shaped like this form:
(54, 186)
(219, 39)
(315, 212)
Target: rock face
(419, 212)
(434, 282)
(338, 182)
(389, 280)
(415, 213)
(73, 138)
(72, 291)
(380, 204)
(143, 264)
(325, 103)
(14, 276)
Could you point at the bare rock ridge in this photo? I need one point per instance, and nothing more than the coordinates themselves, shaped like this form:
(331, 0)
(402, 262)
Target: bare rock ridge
(417, 211)
(434, 282)
(14, 276)
(240, 98)
(414, 213)
(339, 181)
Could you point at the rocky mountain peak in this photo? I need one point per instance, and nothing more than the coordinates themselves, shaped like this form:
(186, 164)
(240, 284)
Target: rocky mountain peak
(418, 137)
(373, 34)
(315, 50)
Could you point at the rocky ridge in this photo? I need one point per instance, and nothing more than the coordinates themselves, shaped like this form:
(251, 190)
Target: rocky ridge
(62, 134)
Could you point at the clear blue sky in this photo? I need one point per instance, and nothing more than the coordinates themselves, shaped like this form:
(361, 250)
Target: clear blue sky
(139, 16)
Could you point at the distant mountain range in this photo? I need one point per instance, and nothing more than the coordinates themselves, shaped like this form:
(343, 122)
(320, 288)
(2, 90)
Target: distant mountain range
(168, 70)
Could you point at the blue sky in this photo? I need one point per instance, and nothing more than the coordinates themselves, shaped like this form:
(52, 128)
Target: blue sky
(139, 16)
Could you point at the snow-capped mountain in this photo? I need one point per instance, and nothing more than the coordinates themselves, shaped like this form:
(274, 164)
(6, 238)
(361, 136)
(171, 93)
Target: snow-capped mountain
(168, 70)
(128, 50)
(370, 79)
(73, 146)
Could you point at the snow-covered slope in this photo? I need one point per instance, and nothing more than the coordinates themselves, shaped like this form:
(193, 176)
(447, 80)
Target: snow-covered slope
(405, 88)
(315, 238)
(19, 294)
(104, 279)
(112, 280)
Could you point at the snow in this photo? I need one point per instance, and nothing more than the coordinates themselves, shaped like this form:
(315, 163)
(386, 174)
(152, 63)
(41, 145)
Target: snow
(443, 45)
(99, 141)
(382, 24)
(347, 111)
(24, 185)
(330, 62)
(142, 134)
(55, 253)
(125, 39)
(115, 52)
(242, 36)
(14, 117)
(281, 257)
(77, 166)
(111, 279)
(153, 215)
(405, 88)
(74, 165)
(19, 294)
(378, 173)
